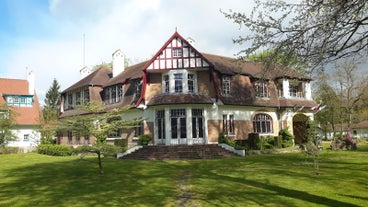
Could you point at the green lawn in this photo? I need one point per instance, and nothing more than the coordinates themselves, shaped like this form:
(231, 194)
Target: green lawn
(259, 180)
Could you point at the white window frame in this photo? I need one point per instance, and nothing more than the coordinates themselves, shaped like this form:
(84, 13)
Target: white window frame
(169, 86)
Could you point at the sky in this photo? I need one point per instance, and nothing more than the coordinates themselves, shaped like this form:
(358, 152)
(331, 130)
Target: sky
(56, 38)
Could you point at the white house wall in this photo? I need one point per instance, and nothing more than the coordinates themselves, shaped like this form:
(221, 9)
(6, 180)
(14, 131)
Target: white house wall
(31, 144)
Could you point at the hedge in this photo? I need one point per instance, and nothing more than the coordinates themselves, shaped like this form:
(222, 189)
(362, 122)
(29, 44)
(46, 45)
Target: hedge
(54, 150)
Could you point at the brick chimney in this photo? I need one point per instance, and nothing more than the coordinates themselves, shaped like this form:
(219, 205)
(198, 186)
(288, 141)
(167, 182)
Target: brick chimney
(118, 62)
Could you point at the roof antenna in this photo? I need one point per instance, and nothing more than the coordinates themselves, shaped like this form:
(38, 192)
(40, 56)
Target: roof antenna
(84, 49)
(176, 29)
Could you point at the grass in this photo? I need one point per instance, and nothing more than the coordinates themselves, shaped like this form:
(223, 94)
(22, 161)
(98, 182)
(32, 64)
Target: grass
(261, 180)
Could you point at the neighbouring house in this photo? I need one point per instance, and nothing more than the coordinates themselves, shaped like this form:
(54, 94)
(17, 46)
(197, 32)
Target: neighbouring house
(360, 130)
(189, 97)
(20, 98)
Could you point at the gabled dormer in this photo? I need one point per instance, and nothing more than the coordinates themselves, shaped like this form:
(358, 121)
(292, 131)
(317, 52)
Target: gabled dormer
(177, 53)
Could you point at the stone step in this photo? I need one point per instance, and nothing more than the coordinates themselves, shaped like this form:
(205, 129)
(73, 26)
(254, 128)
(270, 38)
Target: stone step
(179, 152)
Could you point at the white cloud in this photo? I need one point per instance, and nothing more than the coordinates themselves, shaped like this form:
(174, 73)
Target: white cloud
(138, 27)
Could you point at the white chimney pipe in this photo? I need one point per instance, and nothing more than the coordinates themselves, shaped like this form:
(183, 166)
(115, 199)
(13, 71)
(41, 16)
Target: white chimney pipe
(31, 82)
(118, 62)
(84, 72)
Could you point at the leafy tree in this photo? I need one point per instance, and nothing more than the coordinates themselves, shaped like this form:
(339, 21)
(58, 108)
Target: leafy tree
(96, 121)
(50, 113)
(6, 125)
(318, 32)
(313, 145)
(269, 56)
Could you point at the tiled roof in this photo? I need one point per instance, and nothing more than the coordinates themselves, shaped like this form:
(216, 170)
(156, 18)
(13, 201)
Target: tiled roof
(98, 78)
(180, 99)
(131, 72)
(232, 66)
(23, 115)
(360, 125)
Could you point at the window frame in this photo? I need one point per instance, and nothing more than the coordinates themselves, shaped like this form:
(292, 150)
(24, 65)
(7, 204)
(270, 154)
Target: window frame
(261, 88)
(262, 123)
(226, 85)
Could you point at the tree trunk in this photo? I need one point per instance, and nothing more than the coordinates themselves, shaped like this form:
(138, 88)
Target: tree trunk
(100, 163)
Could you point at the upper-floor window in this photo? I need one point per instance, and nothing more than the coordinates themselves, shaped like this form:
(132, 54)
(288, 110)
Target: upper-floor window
(226, 85)
(179, 81)
(76, 97)
(177, 52)
(262, 123)
(19, 100)
(261, 88)
(178, 77)
(137, 89)
(293, 90)
(113, 94)
(166, 84)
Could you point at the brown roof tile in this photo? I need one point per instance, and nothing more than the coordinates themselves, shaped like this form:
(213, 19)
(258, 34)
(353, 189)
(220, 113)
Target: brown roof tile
(98, 78)
(131, 72)
(163, 99)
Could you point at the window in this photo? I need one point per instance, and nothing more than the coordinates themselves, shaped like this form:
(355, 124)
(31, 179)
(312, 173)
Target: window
(262, 123)
(190, 83)
(86, 95)
(26, 138)
(70, 101)
(228, 124)
(160, 122)
(138, 130)
(178, 123)
(113, 94)
(78, 98)
(137, 90)
(166, 84)
(177, 52)
(87, 140)
(70, 137)
(293, 91)
(261, 88)
(226, 85)
(179, 81)
(178, 77)
(197, 123)
(19, 100)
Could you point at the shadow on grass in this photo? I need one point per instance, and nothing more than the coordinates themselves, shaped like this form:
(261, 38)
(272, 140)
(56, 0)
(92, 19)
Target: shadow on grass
(76, 182)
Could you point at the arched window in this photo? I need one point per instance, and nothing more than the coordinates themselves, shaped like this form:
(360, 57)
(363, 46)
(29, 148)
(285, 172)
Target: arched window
(262, 123)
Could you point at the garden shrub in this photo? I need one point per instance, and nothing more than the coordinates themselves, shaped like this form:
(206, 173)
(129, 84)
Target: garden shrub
(54, 150)
(241, 144)
(287, 138)
(144, 139)
(267, 142)
(253, 140)
(224, 139)
(9, 150)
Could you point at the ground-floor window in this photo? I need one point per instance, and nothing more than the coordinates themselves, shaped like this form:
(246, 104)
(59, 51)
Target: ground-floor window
(180, 126)
(70, 137)
(262, 123)
(197, 123)
(178, 123)
(228, 124)
(160, 123)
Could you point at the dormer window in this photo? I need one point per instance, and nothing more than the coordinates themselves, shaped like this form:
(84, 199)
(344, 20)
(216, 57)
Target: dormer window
(113, 94)
(225, 85)
(179, 81)
(261, 88)
(177, 52)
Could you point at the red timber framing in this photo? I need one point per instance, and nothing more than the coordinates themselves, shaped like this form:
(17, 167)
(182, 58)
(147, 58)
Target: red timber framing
(177, 53)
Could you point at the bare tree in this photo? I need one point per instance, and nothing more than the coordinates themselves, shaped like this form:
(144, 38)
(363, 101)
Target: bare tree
(317, 31)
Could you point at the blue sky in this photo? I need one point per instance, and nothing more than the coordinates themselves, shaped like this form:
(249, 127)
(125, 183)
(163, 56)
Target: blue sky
(46, 36)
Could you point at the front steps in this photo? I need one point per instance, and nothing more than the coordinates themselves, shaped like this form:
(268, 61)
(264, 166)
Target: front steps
(177, 152)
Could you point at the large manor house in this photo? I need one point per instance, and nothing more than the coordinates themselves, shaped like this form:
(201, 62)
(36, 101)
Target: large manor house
(187, 97)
